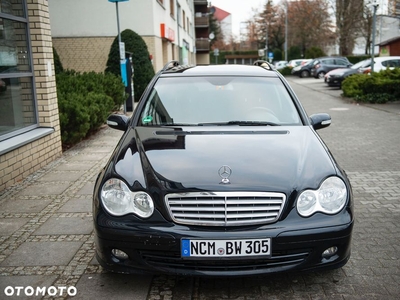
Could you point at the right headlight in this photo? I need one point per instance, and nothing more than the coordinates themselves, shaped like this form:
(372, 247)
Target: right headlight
(119, 200)
(330, 198)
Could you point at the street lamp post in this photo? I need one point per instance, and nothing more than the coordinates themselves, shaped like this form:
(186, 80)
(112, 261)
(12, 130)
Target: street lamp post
(286, 30)
(375, 5)
(122, 59)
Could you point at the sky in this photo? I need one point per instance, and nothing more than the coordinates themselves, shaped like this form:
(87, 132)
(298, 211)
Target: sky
(241, 10)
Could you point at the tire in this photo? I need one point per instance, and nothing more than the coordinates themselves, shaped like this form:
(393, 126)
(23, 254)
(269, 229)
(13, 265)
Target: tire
(321, 74)
(304, 74)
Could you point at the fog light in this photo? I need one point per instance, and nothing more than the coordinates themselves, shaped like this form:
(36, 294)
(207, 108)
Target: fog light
(119, 254)
(329, 252)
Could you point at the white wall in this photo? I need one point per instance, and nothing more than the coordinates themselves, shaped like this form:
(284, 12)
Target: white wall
(80, 18)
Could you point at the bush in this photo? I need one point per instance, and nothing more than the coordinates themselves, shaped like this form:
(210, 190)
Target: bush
(58, 67)
(314, 52)
(285, 71)
(143, 68)
(277, 55)
(294, 53)
(84, 101)
(352, 85)
(376, 88)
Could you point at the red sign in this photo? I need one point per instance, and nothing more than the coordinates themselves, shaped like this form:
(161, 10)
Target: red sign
(167, 33)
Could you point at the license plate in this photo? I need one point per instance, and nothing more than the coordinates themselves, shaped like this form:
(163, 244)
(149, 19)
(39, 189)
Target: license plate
(225, 248)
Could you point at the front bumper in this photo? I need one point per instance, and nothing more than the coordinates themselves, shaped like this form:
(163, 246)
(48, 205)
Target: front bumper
(155, 248)
(334, 81)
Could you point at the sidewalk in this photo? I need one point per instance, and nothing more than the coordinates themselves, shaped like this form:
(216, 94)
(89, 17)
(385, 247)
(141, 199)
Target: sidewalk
(46, 230)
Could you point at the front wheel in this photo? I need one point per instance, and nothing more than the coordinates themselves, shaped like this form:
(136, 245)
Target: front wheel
(321, 75)
(304, 74)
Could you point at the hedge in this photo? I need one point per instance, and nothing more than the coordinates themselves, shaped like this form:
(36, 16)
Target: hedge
(379, 87)
(85, 101)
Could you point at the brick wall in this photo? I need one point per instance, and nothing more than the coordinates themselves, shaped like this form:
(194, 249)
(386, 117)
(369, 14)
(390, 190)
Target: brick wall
(19, 163)
(84, 54)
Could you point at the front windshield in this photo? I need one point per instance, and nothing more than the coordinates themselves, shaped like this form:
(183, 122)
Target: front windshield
(200, 101)
(362, 64)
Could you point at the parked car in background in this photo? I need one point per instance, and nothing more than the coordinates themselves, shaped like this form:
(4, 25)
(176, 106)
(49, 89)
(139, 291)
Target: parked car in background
(281, 64)
(209, 179)
(382, 63)
(336, 76)
(297, 62)
(326, 64)
(304, 70)
(3, 86)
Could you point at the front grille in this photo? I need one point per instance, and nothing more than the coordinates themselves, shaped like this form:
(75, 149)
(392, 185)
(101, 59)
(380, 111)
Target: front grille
(225, 208)
(279, 260)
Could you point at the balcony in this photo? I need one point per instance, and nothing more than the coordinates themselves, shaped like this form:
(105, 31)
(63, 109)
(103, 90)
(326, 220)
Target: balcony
(201, 20)
(202, 44)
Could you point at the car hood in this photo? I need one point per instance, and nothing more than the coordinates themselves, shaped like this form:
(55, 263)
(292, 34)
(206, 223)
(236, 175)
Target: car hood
(339, 71)
(280, 159)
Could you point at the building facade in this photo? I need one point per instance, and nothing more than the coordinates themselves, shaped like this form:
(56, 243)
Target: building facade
(29, 120)
(202, 32)
(83, 39)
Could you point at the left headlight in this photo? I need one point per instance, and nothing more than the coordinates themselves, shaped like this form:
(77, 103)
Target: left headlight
(330, 198)
(119, 200)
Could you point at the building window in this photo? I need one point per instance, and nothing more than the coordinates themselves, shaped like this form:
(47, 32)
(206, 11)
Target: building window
(172, 8)
(183, 20)
(18, 111)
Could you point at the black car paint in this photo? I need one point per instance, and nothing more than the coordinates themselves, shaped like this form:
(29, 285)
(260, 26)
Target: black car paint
(337, 80)
(173, 159)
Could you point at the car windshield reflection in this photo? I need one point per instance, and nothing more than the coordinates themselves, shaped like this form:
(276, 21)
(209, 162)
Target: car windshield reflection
(243, 101)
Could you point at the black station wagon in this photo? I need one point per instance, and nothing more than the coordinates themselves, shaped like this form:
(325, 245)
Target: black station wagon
(220, 172)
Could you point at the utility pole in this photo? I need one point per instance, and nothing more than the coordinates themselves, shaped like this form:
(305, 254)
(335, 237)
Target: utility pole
(375, 5)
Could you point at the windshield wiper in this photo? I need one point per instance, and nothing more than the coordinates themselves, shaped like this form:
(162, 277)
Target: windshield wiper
(241, 123)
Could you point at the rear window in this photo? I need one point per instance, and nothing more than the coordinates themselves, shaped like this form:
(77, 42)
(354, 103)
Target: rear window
(200, 100)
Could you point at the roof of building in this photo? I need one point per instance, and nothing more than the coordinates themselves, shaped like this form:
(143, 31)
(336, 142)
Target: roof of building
(389, 41)
(220, 14)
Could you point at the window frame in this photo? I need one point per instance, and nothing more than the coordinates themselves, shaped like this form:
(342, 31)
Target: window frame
(30, 74)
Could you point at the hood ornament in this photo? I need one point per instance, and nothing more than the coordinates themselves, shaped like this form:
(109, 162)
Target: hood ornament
(225, 172)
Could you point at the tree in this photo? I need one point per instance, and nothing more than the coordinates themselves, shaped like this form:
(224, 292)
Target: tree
(215, 28)
(143, 68)
(349, 21)
(309, 24)
(366, 25)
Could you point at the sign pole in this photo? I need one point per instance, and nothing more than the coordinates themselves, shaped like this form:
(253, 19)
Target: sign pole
(122, 59)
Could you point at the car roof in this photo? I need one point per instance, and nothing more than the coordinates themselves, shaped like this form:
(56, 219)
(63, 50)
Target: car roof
(220, 70)
(383, 58)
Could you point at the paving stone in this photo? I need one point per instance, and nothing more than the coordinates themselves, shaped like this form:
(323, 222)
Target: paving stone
(18, 206)
(66, 225)
(87, 189)
(112, 286)
(61, 176)
(77, 205)
(10, 225)
(74, 166)
(44, 189)
(42, 254)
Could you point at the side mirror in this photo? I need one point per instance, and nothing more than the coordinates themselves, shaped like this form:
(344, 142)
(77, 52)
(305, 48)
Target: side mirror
(321, 120)
(119, 122)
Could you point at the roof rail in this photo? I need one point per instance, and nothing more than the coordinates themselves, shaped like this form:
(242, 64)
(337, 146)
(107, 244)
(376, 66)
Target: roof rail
(170, 65)
(265, 64)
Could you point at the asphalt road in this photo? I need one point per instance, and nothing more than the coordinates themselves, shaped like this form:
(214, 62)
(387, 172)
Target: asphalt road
(46, 235)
